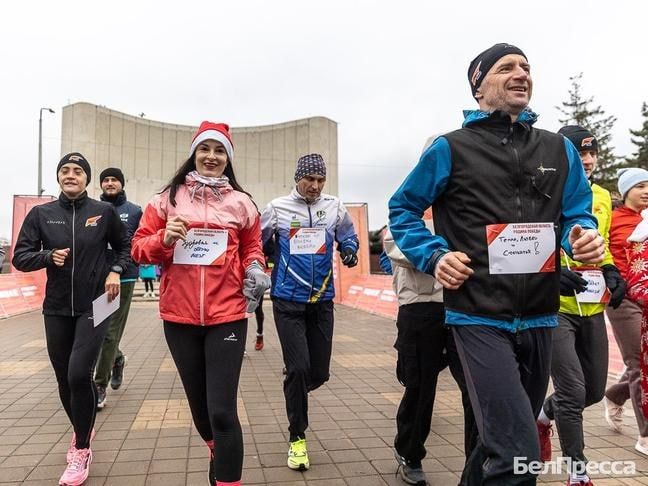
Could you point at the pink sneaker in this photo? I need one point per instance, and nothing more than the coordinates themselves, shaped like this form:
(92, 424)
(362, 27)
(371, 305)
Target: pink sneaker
(78, 469)
(72, 448)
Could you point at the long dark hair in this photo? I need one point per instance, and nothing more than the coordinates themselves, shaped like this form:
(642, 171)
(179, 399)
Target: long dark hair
(189, 165)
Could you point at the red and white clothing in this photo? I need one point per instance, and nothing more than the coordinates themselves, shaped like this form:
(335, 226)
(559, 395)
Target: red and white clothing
(624, 221)
(201, 294)
(637, 280)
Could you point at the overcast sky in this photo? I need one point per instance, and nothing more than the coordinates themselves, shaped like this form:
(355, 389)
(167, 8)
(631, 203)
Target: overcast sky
(390, 73)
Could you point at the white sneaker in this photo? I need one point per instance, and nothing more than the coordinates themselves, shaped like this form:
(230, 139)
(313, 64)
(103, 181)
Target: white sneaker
(614, 415)
(642, 445)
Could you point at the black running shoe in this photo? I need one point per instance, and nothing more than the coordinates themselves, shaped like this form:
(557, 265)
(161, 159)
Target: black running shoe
(101, 397)
(118, 372)
(411, 473)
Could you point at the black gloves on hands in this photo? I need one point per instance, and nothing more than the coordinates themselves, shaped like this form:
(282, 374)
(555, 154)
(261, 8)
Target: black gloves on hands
(349, 258)
(615, 284)
(571, 282)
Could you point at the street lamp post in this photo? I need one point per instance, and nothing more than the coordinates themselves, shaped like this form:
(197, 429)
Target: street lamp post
(40, 189)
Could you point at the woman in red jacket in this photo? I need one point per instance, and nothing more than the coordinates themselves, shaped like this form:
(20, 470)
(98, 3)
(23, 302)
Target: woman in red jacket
(203, 229)
(626, 319)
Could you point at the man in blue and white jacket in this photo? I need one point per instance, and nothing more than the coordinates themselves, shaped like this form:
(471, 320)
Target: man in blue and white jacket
(306, 224)
(496, 171)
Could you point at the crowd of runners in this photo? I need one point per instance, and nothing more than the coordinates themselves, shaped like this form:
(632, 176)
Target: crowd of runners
(505, 260)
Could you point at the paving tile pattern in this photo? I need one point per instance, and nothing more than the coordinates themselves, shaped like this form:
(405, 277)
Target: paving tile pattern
(145, 436)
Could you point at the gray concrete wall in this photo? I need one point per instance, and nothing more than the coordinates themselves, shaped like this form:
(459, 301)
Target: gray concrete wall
(149, 152)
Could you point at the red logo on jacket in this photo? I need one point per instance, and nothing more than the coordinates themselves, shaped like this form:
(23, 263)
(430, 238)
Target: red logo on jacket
(92, 221)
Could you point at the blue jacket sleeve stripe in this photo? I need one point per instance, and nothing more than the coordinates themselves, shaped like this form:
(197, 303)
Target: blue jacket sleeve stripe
(417, 193)
(577, 198)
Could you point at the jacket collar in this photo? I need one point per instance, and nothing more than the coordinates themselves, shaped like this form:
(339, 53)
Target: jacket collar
(116, 200)
(626, 210)
(526, 118)
(295, 195)
(200, 187)
(68, 203)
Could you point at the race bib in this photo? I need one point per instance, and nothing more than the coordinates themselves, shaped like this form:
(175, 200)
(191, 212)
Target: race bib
(597, 292)
(203, 246)
(521, 248)
(308, 241)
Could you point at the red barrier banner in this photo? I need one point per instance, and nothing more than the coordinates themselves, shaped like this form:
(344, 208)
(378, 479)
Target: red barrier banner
(21, 206)
(21, 292)
(344, 276)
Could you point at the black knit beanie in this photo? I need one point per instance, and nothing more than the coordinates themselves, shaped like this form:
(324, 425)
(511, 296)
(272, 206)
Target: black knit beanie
(483, 63)
(112, 172)
(582, 138)
(75, 158)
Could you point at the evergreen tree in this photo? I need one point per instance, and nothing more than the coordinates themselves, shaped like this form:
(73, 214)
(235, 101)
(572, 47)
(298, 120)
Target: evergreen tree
(579, 111)
(640, 139)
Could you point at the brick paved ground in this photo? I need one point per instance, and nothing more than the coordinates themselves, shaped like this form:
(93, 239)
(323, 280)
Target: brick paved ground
(144, 435)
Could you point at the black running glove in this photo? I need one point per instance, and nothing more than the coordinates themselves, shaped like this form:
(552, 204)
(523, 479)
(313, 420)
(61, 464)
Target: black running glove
(615, 284)
(349, 258)
(571, 282)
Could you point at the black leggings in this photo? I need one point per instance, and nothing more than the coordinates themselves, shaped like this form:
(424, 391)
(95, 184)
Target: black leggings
(148, 282)
(209, 360)
(260, 317)
(73, 344)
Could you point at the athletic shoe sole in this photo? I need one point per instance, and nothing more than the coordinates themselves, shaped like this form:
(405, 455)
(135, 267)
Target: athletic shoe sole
(299, 467)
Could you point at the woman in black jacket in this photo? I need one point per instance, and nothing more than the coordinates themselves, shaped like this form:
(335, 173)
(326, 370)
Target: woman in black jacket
(69, 238)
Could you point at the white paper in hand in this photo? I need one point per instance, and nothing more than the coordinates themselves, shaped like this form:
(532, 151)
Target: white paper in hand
(102, 309)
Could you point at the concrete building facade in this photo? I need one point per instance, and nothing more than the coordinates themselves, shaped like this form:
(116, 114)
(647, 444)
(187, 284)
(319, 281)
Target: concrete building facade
(149, 152)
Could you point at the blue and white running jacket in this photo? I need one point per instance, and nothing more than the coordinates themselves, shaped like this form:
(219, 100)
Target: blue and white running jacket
(306, 275)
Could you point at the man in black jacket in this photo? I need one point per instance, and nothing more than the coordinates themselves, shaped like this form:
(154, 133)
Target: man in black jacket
(505, 197)
(111, 360)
